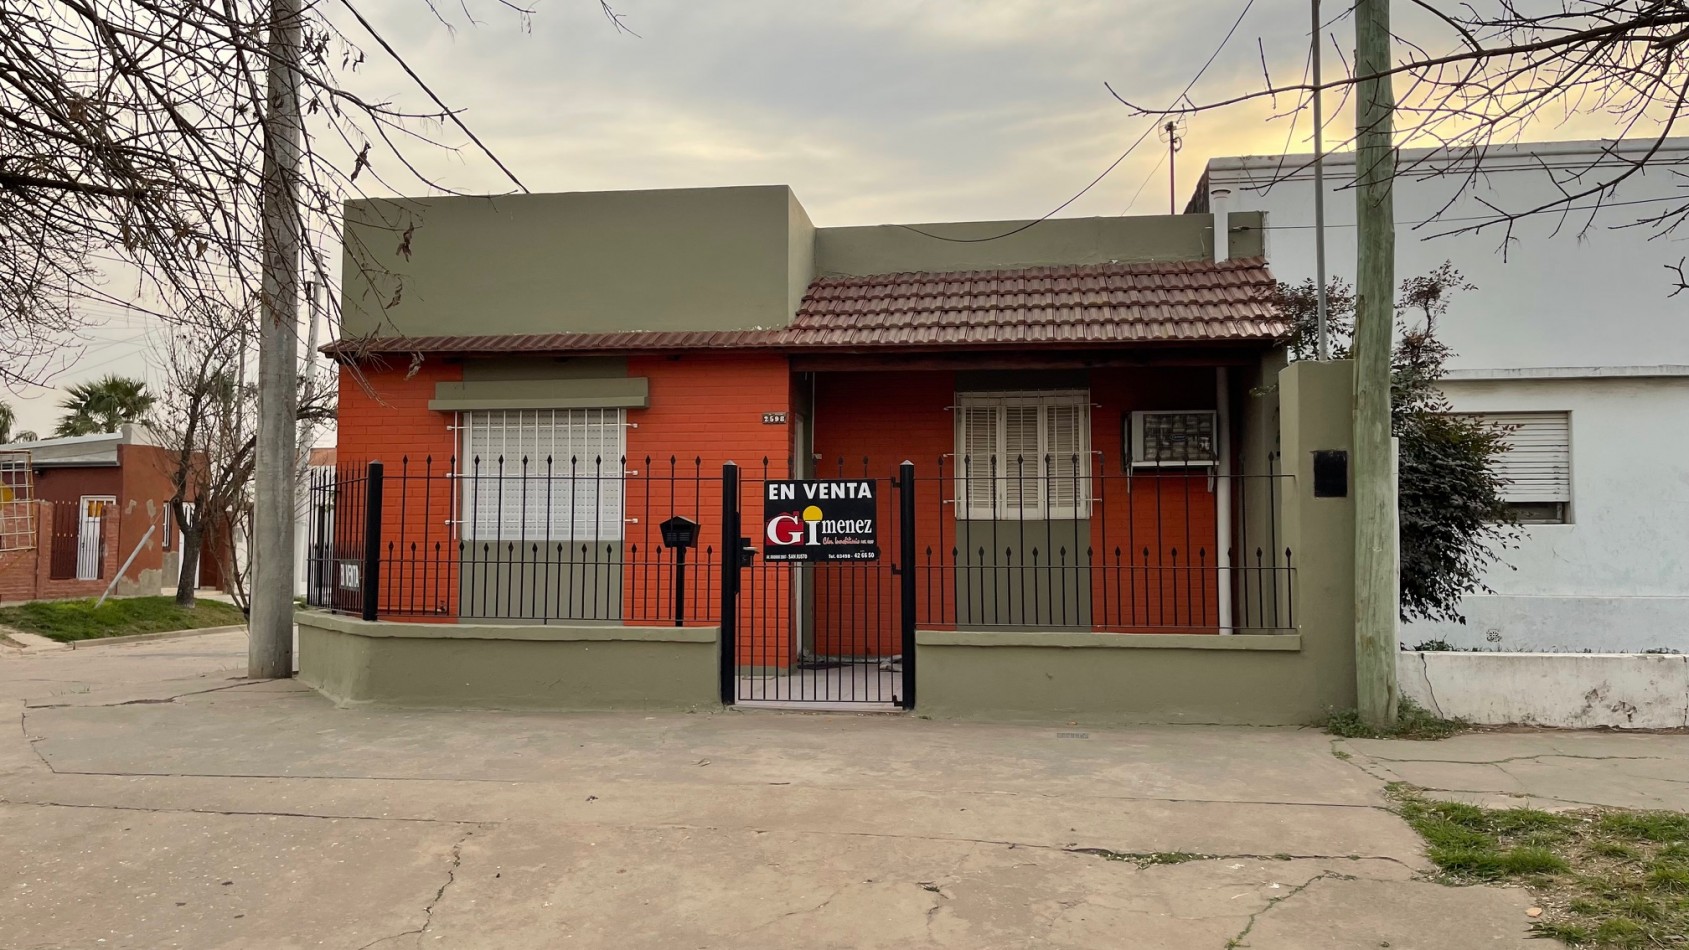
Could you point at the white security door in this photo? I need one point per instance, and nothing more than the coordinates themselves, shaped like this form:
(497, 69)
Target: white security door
(90, 540)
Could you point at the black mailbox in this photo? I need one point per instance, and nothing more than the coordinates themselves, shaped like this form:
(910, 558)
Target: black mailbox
(679, 532)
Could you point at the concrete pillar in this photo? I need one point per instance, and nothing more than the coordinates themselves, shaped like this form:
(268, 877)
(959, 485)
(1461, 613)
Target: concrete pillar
(1316, 405)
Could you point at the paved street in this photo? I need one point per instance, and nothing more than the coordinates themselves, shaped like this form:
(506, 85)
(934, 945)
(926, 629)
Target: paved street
(150, 797)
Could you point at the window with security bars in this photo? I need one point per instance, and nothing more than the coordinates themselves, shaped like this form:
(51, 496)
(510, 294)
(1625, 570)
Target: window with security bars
(543, 475)
(1023, 456)
(1536, 469)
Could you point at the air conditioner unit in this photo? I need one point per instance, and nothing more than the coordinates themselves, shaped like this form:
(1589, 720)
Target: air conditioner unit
(1174, 439)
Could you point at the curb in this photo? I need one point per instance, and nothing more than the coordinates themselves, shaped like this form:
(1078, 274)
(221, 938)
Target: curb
(165, 635)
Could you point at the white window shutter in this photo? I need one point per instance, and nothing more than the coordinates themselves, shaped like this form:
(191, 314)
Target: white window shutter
(1537, 466)
(1022, 465)
(976, 443)
(1065, 444)
(1023, 456)
(543, 476)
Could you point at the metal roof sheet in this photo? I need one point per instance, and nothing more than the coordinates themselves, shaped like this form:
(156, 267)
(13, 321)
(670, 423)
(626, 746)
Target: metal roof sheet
(1152, 302)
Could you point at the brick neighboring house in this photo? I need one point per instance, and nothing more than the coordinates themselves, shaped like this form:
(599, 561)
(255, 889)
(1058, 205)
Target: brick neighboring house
(91, 500)
(548, 378)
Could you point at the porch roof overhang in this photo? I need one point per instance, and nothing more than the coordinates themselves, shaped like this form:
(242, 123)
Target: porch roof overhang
(1210, 303)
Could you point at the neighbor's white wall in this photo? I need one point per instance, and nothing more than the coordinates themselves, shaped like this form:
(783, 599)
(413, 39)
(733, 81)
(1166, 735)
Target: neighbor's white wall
(1583, 691)
(1618, 578)
(1560, 296)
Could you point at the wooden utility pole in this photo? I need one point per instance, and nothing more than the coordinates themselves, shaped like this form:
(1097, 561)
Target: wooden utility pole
(270, 647)
(1376, 554)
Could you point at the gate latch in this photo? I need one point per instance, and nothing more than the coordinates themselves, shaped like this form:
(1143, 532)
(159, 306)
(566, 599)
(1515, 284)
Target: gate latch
(747, 553)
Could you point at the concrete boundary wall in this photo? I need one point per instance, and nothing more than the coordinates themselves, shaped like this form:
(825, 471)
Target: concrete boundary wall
(499, 666)
(1566, 690)
(1102, 678)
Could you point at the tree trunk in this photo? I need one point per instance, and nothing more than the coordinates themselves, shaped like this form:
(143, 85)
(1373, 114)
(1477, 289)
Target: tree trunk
(187, 579)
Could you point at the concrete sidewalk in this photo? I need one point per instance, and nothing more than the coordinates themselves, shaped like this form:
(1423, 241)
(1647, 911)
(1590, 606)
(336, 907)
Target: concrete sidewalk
(152, 798)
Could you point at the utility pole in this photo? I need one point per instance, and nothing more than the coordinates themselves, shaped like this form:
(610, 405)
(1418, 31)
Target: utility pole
(1322, 318)
(1173, 142)
(1376, 554)
(270, 649)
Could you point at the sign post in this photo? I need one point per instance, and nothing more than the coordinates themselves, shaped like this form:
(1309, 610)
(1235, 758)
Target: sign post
(834, 519)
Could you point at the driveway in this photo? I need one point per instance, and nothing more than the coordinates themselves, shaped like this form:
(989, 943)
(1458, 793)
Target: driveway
(151, 797)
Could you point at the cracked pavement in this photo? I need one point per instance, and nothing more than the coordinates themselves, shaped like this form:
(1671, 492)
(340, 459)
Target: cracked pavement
(151, 798)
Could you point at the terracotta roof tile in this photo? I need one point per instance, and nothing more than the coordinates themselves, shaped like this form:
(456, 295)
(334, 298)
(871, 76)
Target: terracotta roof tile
(1156, 302)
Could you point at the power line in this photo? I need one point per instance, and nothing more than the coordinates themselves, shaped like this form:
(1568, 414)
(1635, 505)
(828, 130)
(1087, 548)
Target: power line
(1497, 217)
(1145, 183)
(1112, 165)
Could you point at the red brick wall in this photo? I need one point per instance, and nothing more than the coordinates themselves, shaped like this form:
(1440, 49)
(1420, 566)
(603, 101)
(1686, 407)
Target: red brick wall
(70, 484)
(25, 575)
(141, 499)
(384, 416)
(1150, 528)
(704, 411)
(707, 409)
(869, 422)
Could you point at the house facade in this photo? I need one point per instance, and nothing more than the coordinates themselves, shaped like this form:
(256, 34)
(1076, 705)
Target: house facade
(695, 415)
(1571, 338)
(81, 509)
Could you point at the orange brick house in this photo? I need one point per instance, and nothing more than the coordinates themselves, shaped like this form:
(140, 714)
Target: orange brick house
(81, 509)
(547, 379)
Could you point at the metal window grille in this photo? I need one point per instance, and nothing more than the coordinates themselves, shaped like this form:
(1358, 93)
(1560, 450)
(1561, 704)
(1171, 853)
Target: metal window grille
(17, 501)
(513, 461)
(1023, 455)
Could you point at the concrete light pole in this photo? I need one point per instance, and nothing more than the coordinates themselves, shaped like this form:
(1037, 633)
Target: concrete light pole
(1377, 560)
(270, 650)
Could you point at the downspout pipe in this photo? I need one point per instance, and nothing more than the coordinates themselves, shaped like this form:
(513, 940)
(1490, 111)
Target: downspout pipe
(1219, 201)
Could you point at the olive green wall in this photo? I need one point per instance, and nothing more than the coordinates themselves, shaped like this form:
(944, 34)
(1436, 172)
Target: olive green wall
(1000, 586)
(891, 248)
(695, 258)
(678, 259)
(504, 667)
(1253, 679)
(534, 579)
(1101, 678)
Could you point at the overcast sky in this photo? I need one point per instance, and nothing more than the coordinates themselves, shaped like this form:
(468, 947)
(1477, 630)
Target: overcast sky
(874, 111)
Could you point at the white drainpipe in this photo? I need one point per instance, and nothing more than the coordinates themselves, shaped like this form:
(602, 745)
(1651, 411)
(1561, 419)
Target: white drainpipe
(1223, 498)
(1218, 200)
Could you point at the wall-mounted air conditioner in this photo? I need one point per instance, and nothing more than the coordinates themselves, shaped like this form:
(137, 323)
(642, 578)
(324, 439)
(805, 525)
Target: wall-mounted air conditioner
(1173, 439)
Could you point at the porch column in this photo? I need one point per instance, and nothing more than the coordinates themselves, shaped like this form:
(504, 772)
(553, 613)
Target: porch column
(1316, 403)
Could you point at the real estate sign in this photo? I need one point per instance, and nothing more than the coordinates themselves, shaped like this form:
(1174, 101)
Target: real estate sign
(834, 519)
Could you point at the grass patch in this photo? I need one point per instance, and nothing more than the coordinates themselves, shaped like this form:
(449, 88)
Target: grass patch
(1605, 878)
(1413, 721)
(68, 620)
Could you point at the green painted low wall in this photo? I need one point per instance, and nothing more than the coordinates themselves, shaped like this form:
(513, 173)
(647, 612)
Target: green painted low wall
(508, 666)
(1107, 678)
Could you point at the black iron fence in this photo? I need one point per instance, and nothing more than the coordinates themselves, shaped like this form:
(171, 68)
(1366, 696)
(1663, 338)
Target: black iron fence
(1043, 542)
(513, 539)
(1050, 541)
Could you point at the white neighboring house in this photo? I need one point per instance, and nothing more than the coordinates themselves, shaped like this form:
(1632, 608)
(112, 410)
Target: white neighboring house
(1573, 336)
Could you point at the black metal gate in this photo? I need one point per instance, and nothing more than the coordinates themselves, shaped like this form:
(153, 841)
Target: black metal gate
(822, 632)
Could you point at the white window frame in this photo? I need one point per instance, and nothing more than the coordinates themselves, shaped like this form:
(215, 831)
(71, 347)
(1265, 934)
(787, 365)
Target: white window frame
(1007, 504)
(580, 501)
